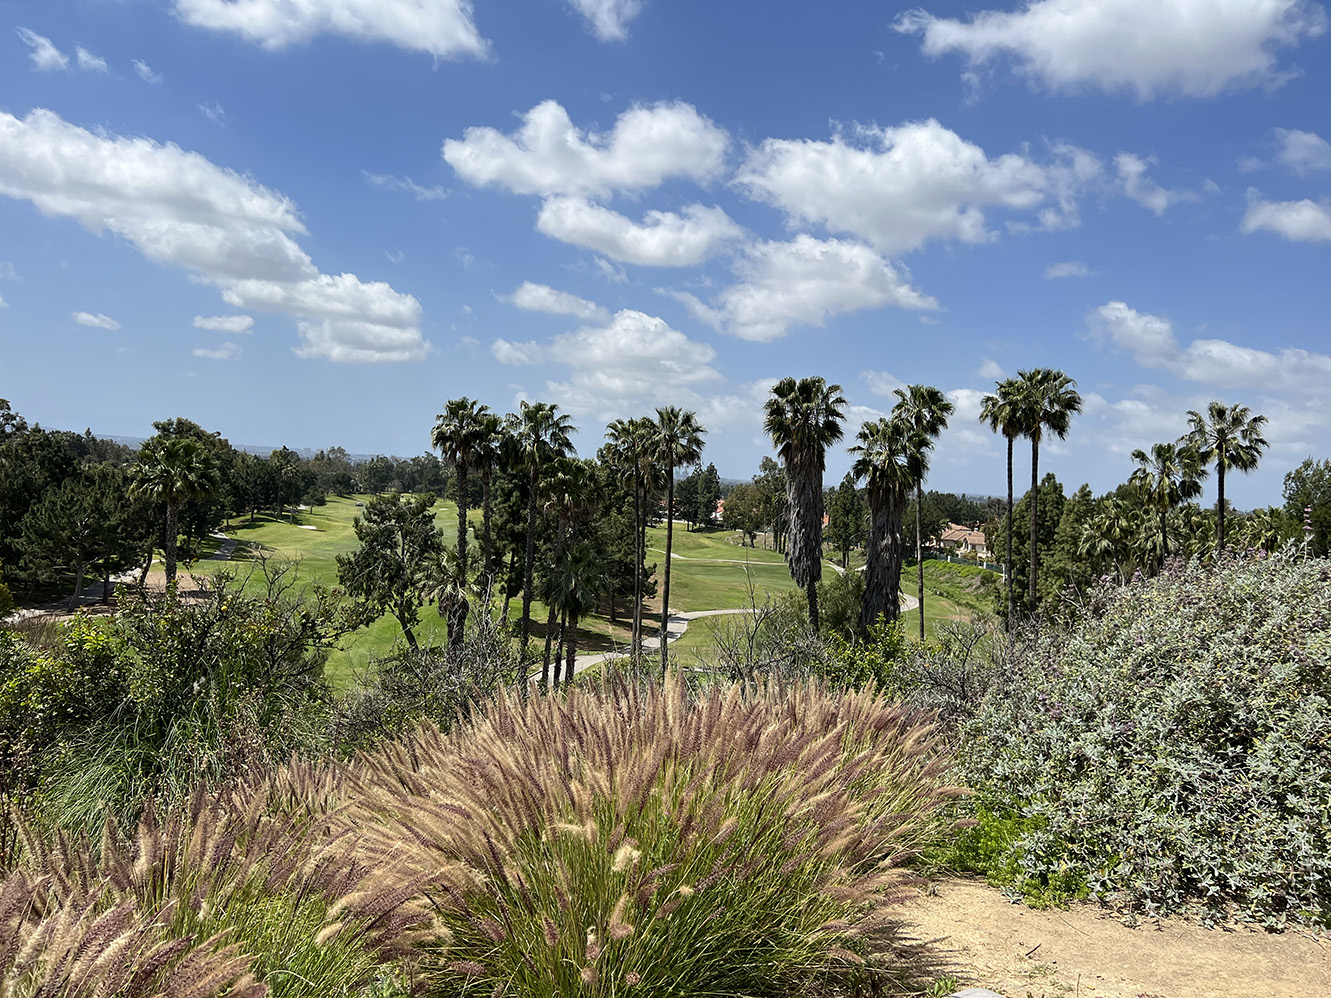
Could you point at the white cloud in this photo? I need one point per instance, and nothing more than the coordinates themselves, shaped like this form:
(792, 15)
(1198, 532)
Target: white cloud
(662, 239)
(176, 207)
(88, 61)
(213, 112)
(1066, 268)
(1151, 48)
(442, 28)
(405, 185)
(1303, 221)
(804, 282)
(95, 320)
(543, 298)
(547, 155)
(146, 73)
(881, 382)
(608, 19)
(1139, 187)
(901, 187)
(225, 323)
(1302, 153)
(7, 271)
(636, 360)
(964, 429)
(3, 303)
(226, 351)
(612, 272)
(44, 54)
(990, 370)
(1151, 341)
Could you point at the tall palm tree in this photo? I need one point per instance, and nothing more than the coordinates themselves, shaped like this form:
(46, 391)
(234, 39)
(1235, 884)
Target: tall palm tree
(1230, 437)
(1048, 400)
(1171, 474)
(677, 442)
(804, 418)
(630, 454)
(1002, 411)
(492, 447)
(173, 470)
(926, 409)
(457, 434)
(889, 457)
(540, 434)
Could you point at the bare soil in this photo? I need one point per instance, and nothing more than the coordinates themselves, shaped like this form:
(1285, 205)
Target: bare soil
(984, 940)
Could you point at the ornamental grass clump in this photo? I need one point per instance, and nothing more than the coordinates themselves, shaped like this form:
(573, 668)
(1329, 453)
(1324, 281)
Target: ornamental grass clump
(1172, 750)
(621, 840)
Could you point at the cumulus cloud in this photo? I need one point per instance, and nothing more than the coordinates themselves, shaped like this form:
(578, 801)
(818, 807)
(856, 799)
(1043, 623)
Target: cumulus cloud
(1304, 221)
(608, 19)
(1066, 268)
(441, 28)
(804, 282)
(1151, 48)
(1302, 153)
(882, 382)
(662, 239)
(547, 155)
(990, 370)
(1151, 342)
(95, 320)
(901, 187)
(226, 351)
(44, 55)
(177, 207)
(88, 61)
(635, 360)
(405, 185)
(145, 72)
(225, 323)
(1132, 175)
(543, 298)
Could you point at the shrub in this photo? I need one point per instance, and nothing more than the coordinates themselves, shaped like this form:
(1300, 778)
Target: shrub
(1174, 747)
(615, 840)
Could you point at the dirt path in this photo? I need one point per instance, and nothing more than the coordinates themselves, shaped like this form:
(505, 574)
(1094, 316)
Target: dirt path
(984, 940)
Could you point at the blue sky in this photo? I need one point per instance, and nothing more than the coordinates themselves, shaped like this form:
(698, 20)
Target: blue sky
(313, 222)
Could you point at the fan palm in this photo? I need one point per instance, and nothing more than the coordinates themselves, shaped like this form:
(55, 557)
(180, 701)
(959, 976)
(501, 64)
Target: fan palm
(890, 457)
(630, 454)
(174, 470)
(677, 442)
(1171, 474)
(1048, 400)
(540, 434)
(457, 434)
(926, 409)
(1230, 437)
(1002, 412)
(492, 446)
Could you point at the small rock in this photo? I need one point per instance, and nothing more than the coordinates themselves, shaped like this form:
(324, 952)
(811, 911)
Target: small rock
(975, 993)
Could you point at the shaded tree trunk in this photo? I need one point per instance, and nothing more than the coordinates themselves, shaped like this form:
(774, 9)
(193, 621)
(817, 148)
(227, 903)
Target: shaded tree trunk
(1011, 607)
(1220, 508)
(169, 545)
(1035, 508)
(570, 668)
(462, 497)
(919, 552)
(882, 572)
(635, 641)
(527, 562)
(487, 542)
(665, 598)
(550, 623)
(454, 607)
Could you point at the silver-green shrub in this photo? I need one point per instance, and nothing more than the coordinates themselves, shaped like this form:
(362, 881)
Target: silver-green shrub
(1174, 746)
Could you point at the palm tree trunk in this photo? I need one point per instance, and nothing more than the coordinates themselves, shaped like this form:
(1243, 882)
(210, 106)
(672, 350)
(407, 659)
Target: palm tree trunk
(406, 630)
(559, 649)
(1011, 611)
(1035, 506)
(1164, 537)
(670, 533)
(811, 593)
(635, 641)
(462, 519)
(882, 570)
(571, 668)
(550, 623)
(528, 562)
(169, 545)
(919, 553)
(1220, 508)
(487, 540)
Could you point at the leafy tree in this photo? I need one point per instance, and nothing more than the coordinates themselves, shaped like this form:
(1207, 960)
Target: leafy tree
(395, 570)
(886, 454)
(1170, 475)
(804, 418)
(709, 495)
(1048, 399)
(1307, 495)
(678, 443)
(845, 517)
(11, 423)
(926, 409)
(172, 470)
(771, 482)
(1004, 414)
(746, 510)
(686, 497)
(1230, 437)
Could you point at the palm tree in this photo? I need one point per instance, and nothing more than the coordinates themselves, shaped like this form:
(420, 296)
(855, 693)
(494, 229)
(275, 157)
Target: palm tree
(890, 457)
(677, 442)
(926, 409)
(1111, 534)
(1229, 436)
(576, 582)
(173, 470)
(630, 454)
(457, 434)
(1047, 401)
(492, 446)
(1003, 414)
(1171, 474)
(804, 418)
(540, 434)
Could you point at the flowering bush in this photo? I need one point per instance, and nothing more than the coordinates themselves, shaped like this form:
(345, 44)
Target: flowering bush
(1174, 746)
